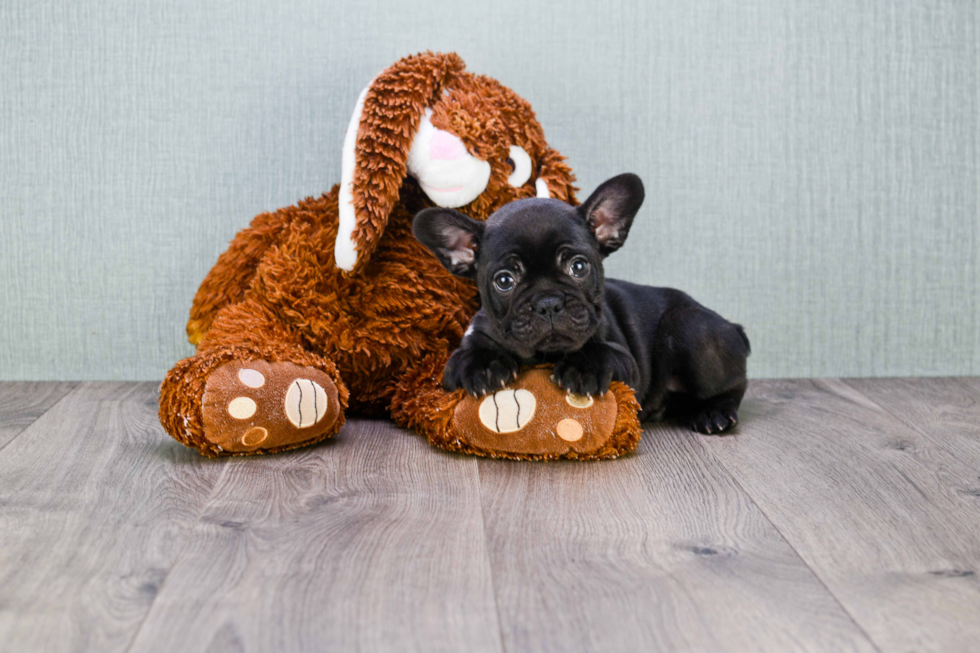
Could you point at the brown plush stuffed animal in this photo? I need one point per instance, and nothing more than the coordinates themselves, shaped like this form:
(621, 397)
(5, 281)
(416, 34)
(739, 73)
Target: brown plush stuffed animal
(331, 305)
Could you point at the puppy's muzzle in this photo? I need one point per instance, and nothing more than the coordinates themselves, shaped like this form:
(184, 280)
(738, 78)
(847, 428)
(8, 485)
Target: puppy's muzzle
(553, 321)
(549, 306)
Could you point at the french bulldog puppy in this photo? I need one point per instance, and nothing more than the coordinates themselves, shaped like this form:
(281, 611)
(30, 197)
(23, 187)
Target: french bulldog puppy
(538, 266)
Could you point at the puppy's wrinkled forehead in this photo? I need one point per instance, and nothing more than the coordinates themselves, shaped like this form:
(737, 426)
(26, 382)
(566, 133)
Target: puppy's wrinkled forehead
(535, 230)
(532, 228)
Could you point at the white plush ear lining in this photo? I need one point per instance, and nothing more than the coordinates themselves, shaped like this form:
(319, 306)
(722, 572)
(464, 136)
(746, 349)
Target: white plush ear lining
(542, 187)
(344, 251)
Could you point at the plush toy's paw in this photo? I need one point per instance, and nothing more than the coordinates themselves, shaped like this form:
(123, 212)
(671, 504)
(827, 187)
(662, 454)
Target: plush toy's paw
(533, 418)
(253, 406)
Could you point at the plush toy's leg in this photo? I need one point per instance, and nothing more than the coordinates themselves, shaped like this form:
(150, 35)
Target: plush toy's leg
(225, 284)
(531, 419)
(251, 388)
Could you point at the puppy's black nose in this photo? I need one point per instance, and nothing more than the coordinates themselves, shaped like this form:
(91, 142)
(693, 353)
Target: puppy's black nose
(549, 306)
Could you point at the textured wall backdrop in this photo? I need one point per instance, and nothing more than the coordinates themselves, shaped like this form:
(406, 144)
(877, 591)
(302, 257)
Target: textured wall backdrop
(811, 167)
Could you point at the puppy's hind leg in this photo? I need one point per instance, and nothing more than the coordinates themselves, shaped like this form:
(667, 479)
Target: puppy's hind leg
(709, 359)
(718, 414)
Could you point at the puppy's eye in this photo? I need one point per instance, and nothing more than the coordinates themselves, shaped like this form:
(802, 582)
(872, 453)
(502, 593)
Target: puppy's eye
(579, 267)
(504, 281)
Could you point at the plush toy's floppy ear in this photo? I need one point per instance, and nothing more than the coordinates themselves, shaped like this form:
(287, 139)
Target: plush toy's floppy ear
(452, 236)
(379, 137)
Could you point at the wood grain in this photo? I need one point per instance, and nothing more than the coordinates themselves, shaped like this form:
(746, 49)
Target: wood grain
(945, 410)
(95, 501)
(660, 551)
(842, 516)
(370, 542)
(23, 402)
(882, 514)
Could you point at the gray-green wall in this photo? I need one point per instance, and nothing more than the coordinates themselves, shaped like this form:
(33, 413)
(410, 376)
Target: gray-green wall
(811, 167)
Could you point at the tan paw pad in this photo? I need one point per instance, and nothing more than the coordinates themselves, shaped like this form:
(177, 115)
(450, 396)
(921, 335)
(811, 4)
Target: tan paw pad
(306, 403)
(569, 430)
(506, 411)
(241, 407)
(579, 401)
(255, 436)
(251, 378)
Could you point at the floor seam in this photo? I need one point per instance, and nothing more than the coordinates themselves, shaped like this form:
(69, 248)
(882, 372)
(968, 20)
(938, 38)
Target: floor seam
(789, 543)
(799, 555)
(74, 388)
(486, 551)
(911, 425)
(179, 556)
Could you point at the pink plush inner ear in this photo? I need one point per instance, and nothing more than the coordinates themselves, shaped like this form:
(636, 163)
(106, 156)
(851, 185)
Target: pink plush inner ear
(446, 146)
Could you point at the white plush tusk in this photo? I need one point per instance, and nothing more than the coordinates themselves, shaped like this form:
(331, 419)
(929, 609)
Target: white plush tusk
(542, 187)
(344, 251)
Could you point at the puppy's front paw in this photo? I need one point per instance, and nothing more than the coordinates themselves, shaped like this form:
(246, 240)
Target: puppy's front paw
(479, 371)
(589, 372)
(581, 376)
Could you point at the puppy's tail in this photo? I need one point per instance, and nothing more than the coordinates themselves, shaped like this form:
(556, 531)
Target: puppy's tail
(745, 338)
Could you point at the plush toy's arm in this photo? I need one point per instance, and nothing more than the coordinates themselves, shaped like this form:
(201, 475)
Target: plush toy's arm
(231, 276)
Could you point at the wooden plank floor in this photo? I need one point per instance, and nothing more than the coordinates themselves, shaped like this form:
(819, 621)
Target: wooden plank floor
(843, 516)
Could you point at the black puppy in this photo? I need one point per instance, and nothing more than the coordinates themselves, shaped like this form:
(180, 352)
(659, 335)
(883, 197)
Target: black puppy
(538, 266)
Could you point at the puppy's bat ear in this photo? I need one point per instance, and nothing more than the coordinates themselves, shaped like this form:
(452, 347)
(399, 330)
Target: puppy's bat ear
(380, 134)
(610, 210)
(452, 236)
